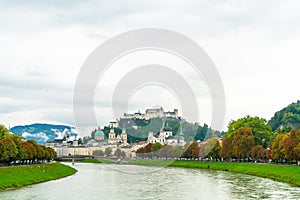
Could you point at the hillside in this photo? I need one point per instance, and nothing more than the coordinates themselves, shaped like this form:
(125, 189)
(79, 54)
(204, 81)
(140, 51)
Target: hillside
(45, 132)
(286, 118)
(138, 129)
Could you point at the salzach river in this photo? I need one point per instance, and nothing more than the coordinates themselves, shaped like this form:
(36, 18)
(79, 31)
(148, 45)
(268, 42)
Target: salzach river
(99, 181)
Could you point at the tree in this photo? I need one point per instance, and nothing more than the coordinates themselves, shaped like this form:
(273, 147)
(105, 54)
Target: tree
(40, 152)
(177, 151)
(290, 143)
(108, 151)
(145, 151)
(79, 141)
(261, 131)
(226, 150)
(18, 139)
(192, 151)
(98, 153)
(277, 149)
(155, 149)
(167, 151)
(118, 153)
(258, 152)
(216, 151)
(3, 131)
(37, 150)
(8, 150)
(212, 147)
(297, 150)
(243, 142)
(27, 151)
(123, 154)
(201, 132)
(51, 154)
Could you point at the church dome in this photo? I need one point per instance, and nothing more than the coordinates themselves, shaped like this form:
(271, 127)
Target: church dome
(99, 133)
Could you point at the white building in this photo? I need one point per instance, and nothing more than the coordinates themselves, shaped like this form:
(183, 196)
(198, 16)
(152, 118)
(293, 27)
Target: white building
(166, 136)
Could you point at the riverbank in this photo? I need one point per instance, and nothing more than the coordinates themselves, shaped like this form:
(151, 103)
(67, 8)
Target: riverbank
(282, 173)
(19, 176)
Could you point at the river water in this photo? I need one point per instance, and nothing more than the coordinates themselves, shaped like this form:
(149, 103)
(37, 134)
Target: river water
(100, 181)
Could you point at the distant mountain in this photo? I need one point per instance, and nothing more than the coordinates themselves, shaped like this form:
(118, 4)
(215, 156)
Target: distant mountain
(45, 132)
(288, 117)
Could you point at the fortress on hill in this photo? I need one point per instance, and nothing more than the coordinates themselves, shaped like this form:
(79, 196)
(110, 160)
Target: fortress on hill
(156, 112)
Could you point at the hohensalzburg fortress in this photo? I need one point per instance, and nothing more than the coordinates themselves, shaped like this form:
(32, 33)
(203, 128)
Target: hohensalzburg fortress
(156, 112)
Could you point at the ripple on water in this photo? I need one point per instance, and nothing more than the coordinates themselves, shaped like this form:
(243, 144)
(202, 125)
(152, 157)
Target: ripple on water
(97, 181)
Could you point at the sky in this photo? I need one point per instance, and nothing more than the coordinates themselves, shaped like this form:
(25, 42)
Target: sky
(254, 45)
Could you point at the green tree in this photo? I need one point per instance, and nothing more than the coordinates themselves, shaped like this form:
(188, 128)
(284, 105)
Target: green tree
(201, 132)
(286, 118)
(243, 142)
(261, 131)
(108, 151)
(35, 145)
(212, 147)
(215, 151)
(277, 149)
(155, 149)
(297, 150)
(8, 150)
(18, 139)
(3, 131)
(40, 152)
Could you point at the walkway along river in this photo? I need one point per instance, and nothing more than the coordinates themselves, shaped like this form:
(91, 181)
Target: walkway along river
(100, 181)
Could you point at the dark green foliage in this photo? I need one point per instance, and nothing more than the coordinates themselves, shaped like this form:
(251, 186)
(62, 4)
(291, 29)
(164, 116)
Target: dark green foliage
(13, 148)
(261, 131)
(3, 131)
(286, 117)
(201, 132)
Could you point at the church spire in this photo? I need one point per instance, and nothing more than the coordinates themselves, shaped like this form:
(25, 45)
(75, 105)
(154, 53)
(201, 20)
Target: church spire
(180, 130)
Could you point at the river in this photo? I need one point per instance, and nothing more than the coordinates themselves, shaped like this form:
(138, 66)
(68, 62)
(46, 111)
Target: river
(100, 181)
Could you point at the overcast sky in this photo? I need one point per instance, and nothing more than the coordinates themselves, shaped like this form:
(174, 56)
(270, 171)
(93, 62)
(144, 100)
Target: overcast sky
(255, 46)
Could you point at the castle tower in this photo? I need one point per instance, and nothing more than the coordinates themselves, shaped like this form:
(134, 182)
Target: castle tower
(124, 136)
(112, 134)
(180, 136)
(167, 130)
(176, 113)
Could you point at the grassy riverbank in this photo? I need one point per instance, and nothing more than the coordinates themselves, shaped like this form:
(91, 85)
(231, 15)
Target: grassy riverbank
(18, 176)
(287, 174)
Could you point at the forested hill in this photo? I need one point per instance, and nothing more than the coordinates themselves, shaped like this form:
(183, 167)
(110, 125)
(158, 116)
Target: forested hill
(138, 129)
(286, 118)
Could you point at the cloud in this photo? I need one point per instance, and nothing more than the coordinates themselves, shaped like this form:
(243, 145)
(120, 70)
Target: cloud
(37, 136)
(254, 45)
